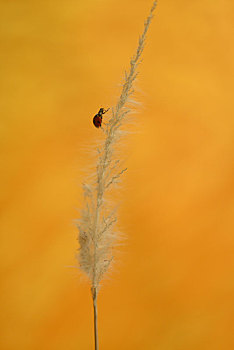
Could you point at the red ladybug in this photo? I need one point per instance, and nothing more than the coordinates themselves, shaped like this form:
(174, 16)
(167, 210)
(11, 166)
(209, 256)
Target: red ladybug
(97, 119)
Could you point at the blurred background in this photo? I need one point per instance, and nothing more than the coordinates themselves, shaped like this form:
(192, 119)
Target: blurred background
(172, 287)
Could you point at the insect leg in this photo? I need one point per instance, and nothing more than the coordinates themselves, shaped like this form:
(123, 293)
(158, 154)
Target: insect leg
(106, 110)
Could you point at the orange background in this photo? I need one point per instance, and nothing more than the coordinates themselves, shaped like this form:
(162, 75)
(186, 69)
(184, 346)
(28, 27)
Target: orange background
(172, 286)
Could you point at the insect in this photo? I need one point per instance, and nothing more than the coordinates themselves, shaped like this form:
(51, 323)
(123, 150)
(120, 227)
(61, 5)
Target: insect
(97, 119)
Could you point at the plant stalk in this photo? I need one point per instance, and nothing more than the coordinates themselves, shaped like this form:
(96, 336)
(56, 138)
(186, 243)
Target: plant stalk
(94, 293)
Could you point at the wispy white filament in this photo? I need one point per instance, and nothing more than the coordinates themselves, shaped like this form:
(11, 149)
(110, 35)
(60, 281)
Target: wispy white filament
(96, 224)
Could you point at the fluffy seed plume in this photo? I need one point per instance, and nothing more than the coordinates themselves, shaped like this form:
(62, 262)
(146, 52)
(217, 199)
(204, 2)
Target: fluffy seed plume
(96, 224)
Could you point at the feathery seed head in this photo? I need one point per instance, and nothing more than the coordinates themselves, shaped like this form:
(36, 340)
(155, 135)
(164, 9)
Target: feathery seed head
(96, 224)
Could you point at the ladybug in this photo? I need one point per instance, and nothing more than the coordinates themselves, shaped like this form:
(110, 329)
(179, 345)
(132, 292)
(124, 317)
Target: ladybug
(97, 119)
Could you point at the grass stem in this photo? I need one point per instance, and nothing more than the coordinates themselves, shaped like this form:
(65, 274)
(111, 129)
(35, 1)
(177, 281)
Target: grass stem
(94, 293)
